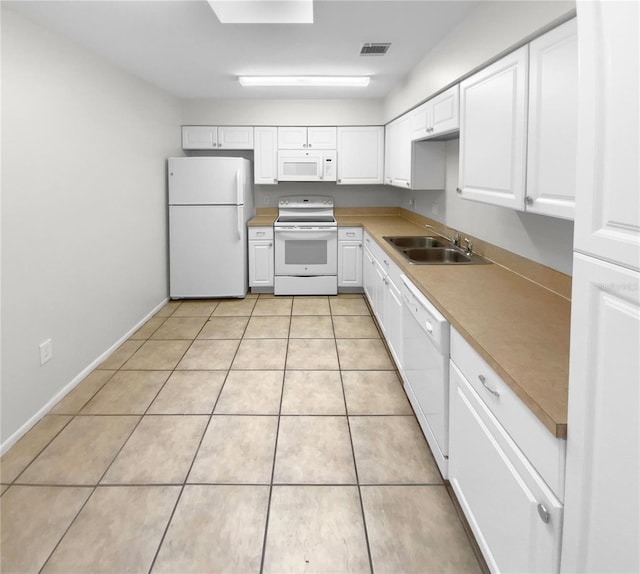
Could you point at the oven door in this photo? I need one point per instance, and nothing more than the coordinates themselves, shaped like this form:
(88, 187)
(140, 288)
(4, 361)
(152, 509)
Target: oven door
(306, 251)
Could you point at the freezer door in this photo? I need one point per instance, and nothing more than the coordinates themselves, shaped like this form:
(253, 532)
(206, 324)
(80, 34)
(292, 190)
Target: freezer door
(207, 251)
(207, 180)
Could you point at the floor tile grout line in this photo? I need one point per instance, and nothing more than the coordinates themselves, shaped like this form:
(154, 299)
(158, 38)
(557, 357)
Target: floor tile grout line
(44, 564)
(275, 452)
(112, 460)
(95, 486)
(193, 460)
(42, 449)
(355, 466)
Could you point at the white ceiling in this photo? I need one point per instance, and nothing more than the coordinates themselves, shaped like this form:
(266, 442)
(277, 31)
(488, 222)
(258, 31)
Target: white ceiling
(181, 47)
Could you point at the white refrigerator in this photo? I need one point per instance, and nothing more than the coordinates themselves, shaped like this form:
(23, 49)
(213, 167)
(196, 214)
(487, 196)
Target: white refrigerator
(210, 202)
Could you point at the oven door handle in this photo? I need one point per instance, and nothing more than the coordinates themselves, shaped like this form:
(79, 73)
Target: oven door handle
(306, 229)
(285, 234)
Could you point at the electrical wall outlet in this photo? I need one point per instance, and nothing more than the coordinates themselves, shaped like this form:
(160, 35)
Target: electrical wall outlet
(434, 208)
(266, 200)
(46, 351)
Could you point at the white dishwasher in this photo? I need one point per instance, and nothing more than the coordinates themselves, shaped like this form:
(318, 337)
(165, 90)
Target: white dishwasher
(425, 354)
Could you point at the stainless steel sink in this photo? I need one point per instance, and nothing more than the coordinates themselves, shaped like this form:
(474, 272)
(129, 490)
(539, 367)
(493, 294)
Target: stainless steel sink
(420, 250)
(408, 242)
(436, 255)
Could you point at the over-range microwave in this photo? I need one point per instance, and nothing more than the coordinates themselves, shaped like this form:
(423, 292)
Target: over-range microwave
(306, 165)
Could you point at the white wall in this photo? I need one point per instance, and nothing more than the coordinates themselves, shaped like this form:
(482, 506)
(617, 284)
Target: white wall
(84, 234)
(491, 28)
(282, 112)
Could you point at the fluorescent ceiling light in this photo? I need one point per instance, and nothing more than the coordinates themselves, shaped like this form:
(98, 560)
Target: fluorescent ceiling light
(305, 81)
(263, 11)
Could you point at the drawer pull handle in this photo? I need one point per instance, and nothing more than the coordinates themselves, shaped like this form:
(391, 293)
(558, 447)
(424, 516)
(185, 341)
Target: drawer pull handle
(544, 514)
(483, 380)
(350, 234)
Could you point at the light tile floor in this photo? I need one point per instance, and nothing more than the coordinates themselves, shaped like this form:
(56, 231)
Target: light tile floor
(269, 434)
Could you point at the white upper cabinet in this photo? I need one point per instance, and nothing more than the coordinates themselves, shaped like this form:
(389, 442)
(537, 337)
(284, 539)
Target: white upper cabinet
(553, 122)
(217, 137)
(608, 204)
(412, 165)
(438, 116)
(297, 137)
(360, 155)
(265, 155)
(235, 137)
(493, 131)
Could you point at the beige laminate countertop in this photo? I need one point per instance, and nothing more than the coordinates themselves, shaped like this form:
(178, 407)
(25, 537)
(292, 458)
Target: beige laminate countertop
(518, 326)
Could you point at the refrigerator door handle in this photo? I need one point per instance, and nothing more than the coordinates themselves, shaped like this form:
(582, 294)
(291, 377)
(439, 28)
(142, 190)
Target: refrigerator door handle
(239, 187)
(240, 209)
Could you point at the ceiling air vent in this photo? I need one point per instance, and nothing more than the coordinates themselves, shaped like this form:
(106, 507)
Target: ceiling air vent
(374, 49)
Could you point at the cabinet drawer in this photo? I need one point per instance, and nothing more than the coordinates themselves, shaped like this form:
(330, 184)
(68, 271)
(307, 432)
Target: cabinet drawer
(260, 233)
(349, 233)
(516, 519)
(545, 451)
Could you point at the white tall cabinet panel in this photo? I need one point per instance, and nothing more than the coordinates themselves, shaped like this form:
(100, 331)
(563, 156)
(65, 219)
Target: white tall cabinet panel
(493, 132)
(265, 155)
(553, 122)
(360, 155)
(602, 503)
(608, 207)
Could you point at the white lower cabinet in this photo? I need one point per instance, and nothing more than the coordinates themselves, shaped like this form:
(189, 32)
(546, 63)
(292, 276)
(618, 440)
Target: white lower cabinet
(515, 517)
(381, 280)
(349, 257)
(261, 257)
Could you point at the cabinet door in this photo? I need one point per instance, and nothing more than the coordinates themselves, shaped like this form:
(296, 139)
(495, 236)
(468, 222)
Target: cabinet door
(602, 501)
(292, 137)
(235, 137)
(553, 122)
(379, 278)
(265, 155)
(445, 112)
(400, 152)
(608, 202)
(350, 264)
(321, 137)
(368, 275)
(393, 320)
(261, 263)
(421, 121)
(502, 496)
(199, 137)
(388, 146)
(493, 128)
(360, 155)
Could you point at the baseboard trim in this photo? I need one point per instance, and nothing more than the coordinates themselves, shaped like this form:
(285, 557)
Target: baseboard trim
(17, 435)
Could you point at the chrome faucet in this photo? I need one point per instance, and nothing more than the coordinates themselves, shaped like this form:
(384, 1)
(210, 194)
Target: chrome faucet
(456, 236)
(469, 246)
